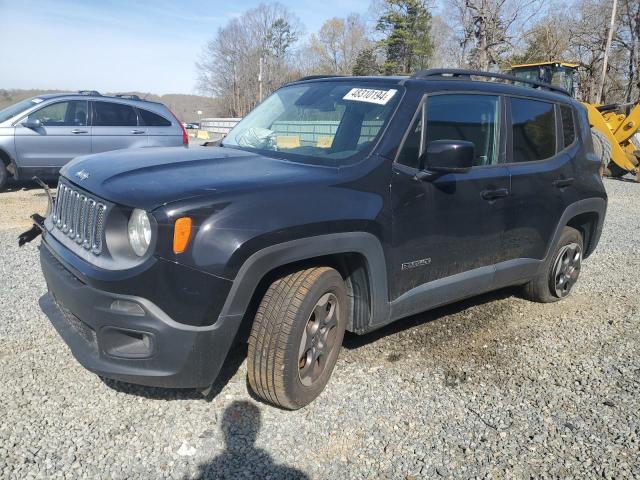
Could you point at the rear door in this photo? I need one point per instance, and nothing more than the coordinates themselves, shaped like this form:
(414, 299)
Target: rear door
(162, 132)
(116, 126)
(64, 135)
(542, 174)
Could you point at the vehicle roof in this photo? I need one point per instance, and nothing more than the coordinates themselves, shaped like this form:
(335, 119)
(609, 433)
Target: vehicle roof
(98, 96)
(436, 83)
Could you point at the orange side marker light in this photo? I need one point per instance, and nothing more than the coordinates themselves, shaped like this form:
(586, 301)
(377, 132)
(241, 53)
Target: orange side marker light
(181, 234)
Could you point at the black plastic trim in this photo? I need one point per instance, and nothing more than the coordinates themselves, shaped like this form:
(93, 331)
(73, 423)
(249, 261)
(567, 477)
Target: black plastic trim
(270, 258)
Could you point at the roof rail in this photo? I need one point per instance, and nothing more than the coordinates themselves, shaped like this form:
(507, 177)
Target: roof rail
(129, 96)
(316, 77)
(89, 92)
(463, 73)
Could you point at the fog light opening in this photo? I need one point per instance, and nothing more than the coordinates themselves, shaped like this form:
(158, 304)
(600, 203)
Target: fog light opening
(128, 308)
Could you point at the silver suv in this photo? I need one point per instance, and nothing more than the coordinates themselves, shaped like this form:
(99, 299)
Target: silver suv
(41, 134)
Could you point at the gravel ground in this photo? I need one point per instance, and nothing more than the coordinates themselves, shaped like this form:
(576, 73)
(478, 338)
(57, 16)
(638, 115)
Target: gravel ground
(491, 387)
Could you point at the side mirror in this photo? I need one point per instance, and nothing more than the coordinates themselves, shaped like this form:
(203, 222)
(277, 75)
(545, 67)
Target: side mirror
(33, 124)
(449, 156)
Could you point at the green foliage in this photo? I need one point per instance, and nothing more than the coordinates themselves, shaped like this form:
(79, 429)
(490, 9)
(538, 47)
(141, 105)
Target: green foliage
(280, 37)
(406, 25)
(366, 63)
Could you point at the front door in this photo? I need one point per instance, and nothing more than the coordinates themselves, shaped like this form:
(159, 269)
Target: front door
(116, 126)
(63, 135)
(454, 223)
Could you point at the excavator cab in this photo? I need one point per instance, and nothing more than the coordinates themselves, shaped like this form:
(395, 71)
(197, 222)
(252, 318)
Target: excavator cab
(558, 74)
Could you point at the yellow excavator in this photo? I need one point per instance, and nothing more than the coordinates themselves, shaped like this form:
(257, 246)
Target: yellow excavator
(613, 126)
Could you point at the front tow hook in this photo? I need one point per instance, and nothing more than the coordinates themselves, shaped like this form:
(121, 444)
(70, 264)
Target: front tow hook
(38, 220)
(33, 232)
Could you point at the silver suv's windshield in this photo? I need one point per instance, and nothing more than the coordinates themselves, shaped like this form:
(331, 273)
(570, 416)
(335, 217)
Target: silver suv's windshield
(17, 108)
(326, 123)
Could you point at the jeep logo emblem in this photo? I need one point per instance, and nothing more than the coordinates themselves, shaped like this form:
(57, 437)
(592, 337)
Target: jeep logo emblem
(82, 174)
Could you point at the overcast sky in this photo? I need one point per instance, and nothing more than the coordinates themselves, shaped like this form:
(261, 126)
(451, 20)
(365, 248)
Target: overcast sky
(119, 45)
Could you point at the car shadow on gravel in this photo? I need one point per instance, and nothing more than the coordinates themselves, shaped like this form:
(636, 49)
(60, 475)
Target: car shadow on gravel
(16, 186)
(236, 356)
(240, 424)
(352, 341)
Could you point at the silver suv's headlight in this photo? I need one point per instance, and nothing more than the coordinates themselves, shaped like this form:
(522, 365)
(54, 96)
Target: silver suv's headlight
(139, 232)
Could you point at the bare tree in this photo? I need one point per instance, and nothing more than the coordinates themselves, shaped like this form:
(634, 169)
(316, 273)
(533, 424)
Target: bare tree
(548, 39)
(588, 33)
(627, 39)
(486, 28)
(230, 64)
(446, 47)
(337, 45)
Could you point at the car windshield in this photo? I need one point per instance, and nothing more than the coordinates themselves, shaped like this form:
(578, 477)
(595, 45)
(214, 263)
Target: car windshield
(325, 123)
(17, 108)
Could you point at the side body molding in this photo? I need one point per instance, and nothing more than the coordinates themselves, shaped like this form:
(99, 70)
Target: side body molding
(263, 261)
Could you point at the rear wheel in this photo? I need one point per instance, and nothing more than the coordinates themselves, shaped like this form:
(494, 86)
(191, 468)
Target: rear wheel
(561, 272)
(296, 337)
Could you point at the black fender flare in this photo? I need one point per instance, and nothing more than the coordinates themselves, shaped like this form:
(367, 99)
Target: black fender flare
(265, 260)
(595, 205)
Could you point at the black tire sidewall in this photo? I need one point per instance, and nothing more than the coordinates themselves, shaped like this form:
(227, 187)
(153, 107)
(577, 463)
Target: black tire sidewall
(299, 394)
(4, 175)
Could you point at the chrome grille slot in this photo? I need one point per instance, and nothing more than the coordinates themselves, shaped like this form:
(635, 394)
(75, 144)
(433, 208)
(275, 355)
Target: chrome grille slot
(80, 217)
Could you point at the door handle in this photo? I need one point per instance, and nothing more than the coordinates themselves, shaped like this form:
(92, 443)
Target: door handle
(138, 132)
(495, 193)
(77, 131)
(562, 182)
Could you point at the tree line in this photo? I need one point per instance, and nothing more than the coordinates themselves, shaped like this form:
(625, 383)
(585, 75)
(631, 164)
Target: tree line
(267, 46)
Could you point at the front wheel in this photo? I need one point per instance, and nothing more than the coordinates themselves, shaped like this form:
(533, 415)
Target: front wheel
(560, 273)
(296, 337)
(4, 175)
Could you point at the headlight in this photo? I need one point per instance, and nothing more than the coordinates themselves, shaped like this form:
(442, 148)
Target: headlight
(139, 232)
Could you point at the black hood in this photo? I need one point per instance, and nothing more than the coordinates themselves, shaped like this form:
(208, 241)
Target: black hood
(150, 177)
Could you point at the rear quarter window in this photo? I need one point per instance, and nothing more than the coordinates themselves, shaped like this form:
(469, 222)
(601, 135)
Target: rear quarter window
(568, 125)
(151, 119)
(534, 130)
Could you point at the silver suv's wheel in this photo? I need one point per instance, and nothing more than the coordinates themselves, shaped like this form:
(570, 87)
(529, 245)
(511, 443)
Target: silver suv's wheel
(4, 175)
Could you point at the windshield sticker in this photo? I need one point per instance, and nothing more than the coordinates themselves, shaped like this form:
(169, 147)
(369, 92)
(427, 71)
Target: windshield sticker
(381, 97)
(37, 100)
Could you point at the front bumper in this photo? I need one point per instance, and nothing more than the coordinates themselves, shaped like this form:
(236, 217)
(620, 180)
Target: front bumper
(132, 340)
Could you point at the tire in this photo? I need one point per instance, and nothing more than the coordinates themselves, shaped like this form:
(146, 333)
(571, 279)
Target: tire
(4, 175)
(602, 149)
(291, 350)
(561, 271)
(615, 171)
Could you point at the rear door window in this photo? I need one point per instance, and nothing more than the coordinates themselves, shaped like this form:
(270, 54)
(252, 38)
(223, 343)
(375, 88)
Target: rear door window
(534, 130)
(151, 119)
(110, 114)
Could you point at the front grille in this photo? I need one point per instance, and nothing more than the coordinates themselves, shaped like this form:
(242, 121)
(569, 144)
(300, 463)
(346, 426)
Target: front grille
(80, 217)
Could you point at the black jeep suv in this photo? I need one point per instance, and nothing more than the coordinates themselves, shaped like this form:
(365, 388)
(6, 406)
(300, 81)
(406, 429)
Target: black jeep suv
(337, 204)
